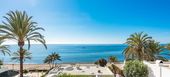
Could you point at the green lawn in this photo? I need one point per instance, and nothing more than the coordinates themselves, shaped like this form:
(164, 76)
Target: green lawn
(67, 75)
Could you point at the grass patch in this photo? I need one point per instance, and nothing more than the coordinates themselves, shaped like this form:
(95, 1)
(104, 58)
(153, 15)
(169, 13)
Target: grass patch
(69, 75)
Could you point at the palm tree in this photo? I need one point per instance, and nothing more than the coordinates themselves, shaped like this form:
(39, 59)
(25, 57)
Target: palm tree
(26, 55)
(155, 51)
(52, 58)
(20, 27)
(113, 59)
(48, 60)
(137, 46)
(113, 67)
(4, 48)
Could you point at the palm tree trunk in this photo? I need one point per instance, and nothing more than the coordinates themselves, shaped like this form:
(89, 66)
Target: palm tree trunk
(21, 44)
(21, 62)
(53, 64)
(49, 65)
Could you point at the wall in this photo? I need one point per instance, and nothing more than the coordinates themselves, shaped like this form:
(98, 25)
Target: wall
(155, 70)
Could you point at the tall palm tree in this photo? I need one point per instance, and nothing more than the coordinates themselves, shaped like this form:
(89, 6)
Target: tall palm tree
(137, 46)
(26, 55)
(20, 27)
(113, 59)
(52, 58)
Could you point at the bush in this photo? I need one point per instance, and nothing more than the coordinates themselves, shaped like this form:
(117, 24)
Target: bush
(25, 71)
(101, 62)
(135, 68)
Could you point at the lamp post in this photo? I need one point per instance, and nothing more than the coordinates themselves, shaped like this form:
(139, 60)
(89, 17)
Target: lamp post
(160, 65)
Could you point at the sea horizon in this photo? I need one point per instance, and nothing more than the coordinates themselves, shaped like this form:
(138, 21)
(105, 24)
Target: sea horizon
(72, 53)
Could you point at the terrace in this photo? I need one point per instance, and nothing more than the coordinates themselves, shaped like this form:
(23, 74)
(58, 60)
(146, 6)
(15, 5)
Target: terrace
(81, 69)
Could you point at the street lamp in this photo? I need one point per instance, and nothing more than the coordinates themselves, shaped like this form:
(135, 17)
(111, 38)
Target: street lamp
(160, 64)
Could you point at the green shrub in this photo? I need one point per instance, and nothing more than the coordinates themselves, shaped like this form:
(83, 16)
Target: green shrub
(101, 62)
(135, 68)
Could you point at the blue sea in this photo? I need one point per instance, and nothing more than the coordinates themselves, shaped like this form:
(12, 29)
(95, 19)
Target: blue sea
(72, 53)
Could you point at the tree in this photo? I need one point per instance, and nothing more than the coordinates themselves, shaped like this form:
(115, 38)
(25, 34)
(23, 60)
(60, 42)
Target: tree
(137, 46)
(114, 68)
(26, 55)
(155, 51)
(20, 27)
(113, 59)
(52, 58)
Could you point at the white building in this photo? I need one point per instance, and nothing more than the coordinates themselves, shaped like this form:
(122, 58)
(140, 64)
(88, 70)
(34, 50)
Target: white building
(158, 70)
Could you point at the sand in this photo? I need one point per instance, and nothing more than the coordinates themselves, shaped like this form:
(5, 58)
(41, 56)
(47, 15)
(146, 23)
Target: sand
(28, 66)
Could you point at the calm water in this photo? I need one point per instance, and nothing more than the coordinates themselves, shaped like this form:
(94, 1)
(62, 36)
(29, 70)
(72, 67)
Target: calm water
(72, 53)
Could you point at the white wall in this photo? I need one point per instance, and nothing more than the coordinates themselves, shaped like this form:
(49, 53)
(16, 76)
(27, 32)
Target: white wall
(165, 72)
(155, 70)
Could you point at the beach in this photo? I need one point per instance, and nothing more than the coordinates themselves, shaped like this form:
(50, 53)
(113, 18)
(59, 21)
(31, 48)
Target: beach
(28, 66)
(37, 70)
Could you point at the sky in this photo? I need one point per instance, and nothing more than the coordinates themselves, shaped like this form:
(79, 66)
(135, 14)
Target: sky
(95, 21)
